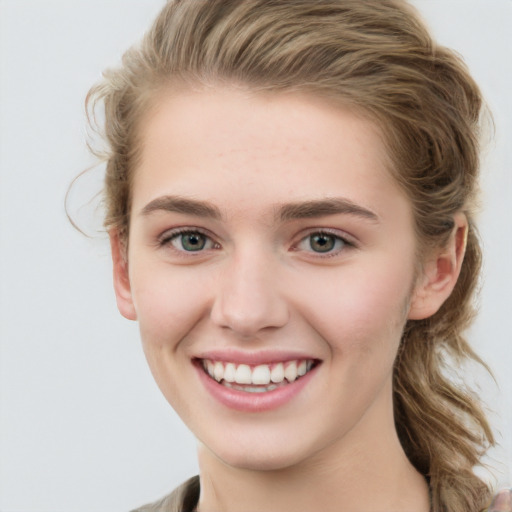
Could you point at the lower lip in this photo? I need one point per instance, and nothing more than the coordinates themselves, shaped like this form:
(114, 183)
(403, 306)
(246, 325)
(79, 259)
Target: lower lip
(254, 402)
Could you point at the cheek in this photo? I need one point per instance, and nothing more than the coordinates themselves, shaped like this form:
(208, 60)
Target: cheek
(363, 311)
(168, 304)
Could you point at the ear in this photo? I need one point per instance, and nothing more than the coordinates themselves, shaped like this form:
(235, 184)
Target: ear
(440, 273)
(122, 286)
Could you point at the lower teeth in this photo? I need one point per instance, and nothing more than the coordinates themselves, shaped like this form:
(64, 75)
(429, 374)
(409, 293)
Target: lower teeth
(250, 389)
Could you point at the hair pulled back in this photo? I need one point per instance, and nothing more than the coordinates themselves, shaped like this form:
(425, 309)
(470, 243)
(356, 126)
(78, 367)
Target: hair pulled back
(375, 56)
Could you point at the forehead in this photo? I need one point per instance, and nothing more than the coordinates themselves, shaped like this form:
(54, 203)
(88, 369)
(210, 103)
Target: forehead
(224, 143)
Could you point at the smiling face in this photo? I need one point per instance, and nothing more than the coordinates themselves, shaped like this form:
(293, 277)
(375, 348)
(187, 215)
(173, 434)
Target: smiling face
(270, 264)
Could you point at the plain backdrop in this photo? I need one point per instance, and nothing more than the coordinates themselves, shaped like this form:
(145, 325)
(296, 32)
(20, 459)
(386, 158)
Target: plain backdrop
(83, 427)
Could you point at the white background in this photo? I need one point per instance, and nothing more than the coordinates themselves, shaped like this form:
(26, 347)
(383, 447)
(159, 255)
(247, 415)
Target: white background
(83, 427)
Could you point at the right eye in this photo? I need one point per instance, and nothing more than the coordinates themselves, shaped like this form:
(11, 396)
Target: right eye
(188, 241)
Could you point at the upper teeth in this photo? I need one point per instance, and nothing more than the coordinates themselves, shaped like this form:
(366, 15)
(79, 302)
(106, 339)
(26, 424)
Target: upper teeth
(262, 374)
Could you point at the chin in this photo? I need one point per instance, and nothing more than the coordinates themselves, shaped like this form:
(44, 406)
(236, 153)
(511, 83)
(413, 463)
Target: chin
(259, 454)
(260, 462)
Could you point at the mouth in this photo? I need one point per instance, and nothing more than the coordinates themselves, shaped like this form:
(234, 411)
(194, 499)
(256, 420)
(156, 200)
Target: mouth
(261, 378)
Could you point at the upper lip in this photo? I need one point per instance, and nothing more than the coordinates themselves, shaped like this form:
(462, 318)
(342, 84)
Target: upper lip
(253, 358)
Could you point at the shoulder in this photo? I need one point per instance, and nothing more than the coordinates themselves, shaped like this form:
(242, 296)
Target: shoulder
(183, 499)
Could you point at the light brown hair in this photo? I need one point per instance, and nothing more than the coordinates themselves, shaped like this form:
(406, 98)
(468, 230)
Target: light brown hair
(377, 57)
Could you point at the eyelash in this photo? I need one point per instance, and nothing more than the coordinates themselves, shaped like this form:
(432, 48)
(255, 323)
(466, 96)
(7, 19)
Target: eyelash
(169, 237)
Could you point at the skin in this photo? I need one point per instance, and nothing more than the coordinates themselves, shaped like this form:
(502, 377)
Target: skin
(260, 285)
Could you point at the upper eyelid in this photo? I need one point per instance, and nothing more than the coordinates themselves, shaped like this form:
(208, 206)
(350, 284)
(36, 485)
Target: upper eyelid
(171, 233)
(342, 235)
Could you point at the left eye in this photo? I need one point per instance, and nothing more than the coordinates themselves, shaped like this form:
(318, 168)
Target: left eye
(190, 241)
(321, 243)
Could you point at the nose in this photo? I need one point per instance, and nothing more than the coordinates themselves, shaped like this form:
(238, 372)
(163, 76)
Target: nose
(248, 299)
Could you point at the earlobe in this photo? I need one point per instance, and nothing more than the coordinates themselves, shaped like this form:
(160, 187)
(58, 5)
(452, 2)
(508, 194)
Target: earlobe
(122, 286)
(440, 273)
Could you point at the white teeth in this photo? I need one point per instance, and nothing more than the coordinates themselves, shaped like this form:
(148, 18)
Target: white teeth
(243, 374)
(209, 367)
(218, 371)
(277, 373)
(229, 372)
(290, 371)
(261, 375)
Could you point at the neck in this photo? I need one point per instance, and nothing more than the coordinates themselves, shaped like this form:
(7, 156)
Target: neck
(365, 472)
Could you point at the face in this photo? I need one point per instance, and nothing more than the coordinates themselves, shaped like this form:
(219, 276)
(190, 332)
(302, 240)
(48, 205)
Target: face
(270, 265)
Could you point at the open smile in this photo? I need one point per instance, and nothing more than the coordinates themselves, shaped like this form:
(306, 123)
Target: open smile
(255, 388)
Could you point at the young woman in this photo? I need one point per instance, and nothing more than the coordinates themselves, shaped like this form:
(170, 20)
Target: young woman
(290, 190)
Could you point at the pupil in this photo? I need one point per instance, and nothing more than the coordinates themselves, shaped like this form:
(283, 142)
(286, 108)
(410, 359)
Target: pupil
(193, 242)
(322, 243)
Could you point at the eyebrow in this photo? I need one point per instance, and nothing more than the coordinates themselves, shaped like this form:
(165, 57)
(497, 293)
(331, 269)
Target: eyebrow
(286, 212)
(319, 208)
(177, 204)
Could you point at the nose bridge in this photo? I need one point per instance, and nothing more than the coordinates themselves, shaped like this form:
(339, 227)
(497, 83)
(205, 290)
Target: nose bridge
(249, 298)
